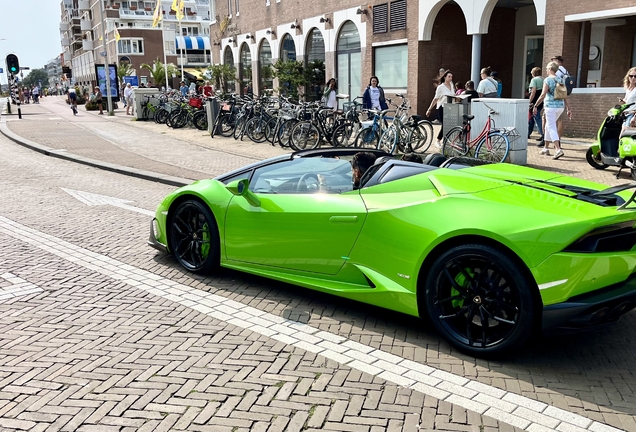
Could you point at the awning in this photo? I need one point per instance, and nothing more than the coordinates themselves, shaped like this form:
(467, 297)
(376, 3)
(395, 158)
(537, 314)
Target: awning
(194, 74)
(193, 42)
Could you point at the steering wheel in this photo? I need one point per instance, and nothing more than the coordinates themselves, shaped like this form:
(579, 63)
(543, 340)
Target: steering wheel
(303, 179)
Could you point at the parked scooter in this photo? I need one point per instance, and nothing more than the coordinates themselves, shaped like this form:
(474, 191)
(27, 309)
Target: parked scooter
(612, 147)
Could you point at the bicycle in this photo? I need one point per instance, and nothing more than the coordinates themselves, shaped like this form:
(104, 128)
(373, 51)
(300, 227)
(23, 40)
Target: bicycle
(407, 133)
(369, 135)
(491, 145)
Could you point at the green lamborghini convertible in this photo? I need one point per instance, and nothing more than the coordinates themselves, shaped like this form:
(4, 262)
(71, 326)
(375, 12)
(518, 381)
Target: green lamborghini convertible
(490, 253)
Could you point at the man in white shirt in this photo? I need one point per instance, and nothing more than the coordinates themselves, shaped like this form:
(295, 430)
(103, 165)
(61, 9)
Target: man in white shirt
(128, 96)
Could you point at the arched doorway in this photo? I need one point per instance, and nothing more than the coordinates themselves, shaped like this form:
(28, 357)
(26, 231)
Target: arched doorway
(228, 60)
(245, 69)
(349, 60)
(315, 50)
(265, 81)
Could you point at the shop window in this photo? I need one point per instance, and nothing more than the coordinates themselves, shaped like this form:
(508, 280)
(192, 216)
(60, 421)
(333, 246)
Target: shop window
(391, 65)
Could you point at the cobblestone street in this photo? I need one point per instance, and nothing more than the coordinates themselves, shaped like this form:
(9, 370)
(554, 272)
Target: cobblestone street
(101, 332)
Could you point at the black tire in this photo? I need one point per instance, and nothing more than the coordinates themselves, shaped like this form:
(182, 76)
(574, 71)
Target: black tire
(256, 129)
(161, 115)
(496, 151)
(480, 300)
(343, 136)
(200, 120)
(238, 128)
(226, 125)
(367, 138)
(284, 133)
(455, 143)
(595, 160)
(193, 237)
(304, 136)
(389, 140)
(270, 129)
(421, 137)
(180, 119)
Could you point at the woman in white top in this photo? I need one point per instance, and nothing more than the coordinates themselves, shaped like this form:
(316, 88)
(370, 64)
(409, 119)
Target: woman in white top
(445, 88)
(329, 95)
(629, 83)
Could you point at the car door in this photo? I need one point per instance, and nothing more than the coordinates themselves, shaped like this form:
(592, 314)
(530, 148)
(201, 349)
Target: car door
(300, 223)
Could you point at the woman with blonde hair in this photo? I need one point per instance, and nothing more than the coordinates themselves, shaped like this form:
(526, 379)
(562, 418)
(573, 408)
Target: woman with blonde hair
(553, 109)
(629, 84)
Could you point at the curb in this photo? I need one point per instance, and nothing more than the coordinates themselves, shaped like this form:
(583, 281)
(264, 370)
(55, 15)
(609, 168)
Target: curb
(119, 169)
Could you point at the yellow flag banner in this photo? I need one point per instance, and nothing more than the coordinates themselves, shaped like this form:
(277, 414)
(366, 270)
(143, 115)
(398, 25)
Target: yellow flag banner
(117, 37)
(180, 14)
(175, 5)
(156, 17)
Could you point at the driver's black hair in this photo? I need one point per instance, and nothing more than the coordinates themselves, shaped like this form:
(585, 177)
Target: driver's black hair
(363, 160)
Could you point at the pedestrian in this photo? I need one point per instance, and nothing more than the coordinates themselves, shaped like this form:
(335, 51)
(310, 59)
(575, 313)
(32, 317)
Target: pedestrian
(470, 89)
(36, 94)
(487, 87)
(184, 89)
(459, 89)
(561, 72)
(553, 109)
(208, 89)
(329, 94)
(495, 75)
(128, 95)
(629, 84)
(444, 89)
(536, 86)
(373, 97)
(99, 100)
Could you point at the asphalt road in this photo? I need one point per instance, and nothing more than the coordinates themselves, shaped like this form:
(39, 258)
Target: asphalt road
(100, 332)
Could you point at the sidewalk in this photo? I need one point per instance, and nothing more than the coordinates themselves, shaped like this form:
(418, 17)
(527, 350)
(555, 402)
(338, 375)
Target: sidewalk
(180, 156)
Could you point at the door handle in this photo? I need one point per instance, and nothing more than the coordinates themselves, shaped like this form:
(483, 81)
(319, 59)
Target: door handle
(343, 219)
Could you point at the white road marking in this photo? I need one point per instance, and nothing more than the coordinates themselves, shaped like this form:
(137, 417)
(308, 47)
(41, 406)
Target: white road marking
(520, 411)
(92, 199)
(18, 287)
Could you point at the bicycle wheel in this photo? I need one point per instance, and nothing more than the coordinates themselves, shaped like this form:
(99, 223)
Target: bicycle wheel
(238, 128)
(161, 115)
(179, 120)
(421, 137)
(304, 136)
(200, 120)
(284, 132)
(455, 143)
(226, 125)
(255, 129)
(388, 140)
(367, 138)
(343, 136)
(494, 148)
(270, 129)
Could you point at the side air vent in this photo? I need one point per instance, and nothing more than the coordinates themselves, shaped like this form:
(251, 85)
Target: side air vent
(613, 238)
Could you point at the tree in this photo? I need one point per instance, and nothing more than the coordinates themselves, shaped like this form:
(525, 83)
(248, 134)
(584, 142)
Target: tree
(158, 73)
(124, 69)
(291, 76)
(223, 75)
(34, 78)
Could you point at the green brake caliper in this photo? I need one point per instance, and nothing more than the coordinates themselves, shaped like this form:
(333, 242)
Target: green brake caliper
(460, 279)
(205, 247)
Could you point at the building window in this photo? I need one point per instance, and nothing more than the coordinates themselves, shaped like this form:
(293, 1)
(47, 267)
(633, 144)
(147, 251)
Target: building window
(170, 47)
(398, 15)
(391, 65)
(130, 46)
(380, 18)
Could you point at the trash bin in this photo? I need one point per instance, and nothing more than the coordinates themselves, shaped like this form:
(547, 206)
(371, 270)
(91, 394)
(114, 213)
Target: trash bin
(212, 109)
(511, 116)
(454, 110)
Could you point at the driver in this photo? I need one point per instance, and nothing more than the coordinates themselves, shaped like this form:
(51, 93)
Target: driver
(359, 165)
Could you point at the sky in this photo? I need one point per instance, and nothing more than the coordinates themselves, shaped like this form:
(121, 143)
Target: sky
(32, 32)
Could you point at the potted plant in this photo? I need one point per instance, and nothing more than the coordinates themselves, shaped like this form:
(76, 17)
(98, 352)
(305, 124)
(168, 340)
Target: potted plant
(133, 7)
(115, 5)
(147, 8)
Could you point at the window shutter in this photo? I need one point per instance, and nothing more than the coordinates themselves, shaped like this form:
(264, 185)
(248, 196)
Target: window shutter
(380, 18)
(398, 15)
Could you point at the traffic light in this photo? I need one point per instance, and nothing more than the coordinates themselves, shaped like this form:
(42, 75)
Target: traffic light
(13, 65)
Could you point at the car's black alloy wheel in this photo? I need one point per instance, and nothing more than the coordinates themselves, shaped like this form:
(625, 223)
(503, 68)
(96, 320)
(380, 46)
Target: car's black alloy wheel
(194, 237)
(480, 300)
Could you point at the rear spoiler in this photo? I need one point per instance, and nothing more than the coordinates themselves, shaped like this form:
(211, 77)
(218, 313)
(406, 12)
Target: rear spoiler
(616, 189)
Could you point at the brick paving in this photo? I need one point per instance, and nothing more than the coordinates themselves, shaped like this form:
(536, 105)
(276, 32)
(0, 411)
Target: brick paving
(589, 374)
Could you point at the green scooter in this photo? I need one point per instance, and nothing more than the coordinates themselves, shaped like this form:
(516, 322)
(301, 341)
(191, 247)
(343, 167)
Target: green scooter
(613, 147)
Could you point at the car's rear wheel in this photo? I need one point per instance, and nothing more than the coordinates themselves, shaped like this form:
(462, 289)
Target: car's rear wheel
(480, 300)
(194, 237)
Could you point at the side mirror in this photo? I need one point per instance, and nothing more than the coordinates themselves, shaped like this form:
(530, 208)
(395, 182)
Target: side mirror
(242, 188)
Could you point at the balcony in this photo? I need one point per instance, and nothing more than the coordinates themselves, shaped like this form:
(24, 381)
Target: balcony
(66, 42)
(203, 2)
(87, 45)
(135, 14)
(64, 26)
(85, 25)
(84, 5)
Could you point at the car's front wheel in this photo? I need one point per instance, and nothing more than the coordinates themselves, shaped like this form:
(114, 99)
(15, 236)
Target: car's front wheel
(194, 237)
(480, 300)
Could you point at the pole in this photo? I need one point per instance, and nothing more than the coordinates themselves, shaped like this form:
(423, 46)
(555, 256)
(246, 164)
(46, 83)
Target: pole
(163, 40)
(475, 59)
(107, 68)
(181, 50)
